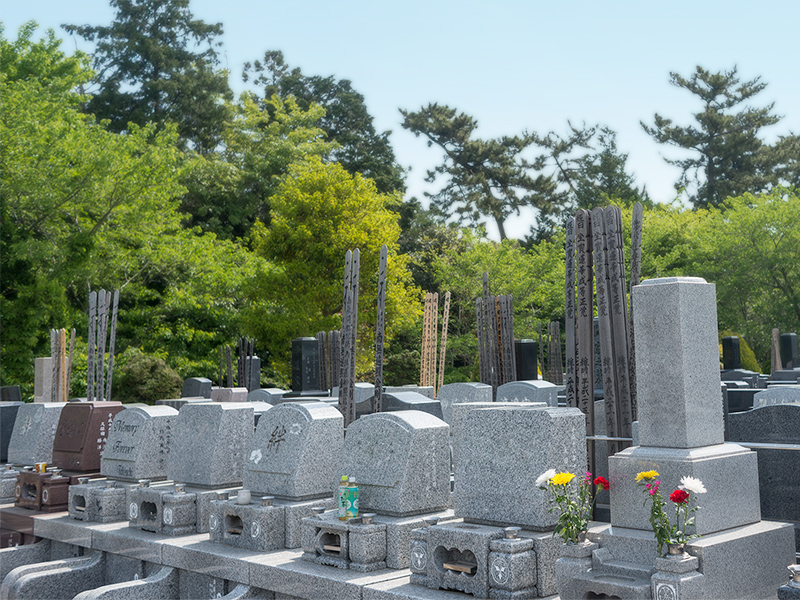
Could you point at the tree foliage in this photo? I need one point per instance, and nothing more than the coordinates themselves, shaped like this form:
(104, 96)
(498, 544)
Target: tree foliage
(229, 190)
(318, 213)
(483, 178)
(729, 156)
(358, 147)
(156, 62)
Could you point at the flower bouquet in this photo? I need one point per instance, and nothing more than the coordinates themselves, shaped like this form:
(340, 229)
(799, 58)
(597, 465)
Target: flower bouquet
(574, 502)
(664, 530)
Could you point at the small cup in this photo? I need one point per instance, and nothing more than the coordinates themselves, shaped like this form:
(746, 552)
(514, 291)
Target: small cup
(222, 496)
(243, 497)
(83, 480)
(428, 521)
(318, 511)
(512, 532)
(180, 488)
(111, 484)
(144, 483)
(367, 518)
(267, 500)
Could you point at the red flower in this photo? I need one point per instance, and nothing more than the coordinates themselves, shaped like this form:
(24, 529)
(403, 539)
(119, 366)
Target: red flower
(602, 482)
(679, 496)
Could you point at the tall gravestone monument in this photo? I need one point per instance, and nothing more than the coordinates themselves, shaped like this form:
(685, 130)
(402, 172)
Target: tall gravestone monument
(681, 433)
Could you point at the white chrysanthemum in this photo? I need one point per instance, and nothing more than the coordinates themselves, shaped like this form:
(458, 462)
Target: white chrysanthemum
(545, 477)
(692, 484)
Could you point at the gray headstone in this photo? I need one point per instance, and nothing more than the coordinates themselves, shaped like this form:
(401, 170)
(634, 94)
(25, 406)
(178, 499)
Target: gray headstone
(460, 412)
(363, 391)
(220, 394)
(34, 433)
(535, 390)
(493, 489)
(194, 387)
(42, 379)
(138, 443)
(400, 462)
(784, 394)
(396, 401)
(178, 403)
(210, 443)
(268, 395)
(677, 363)
(259, 408)
(526, 353)
(462, 393)
(296, 451)
(778, 475)
(253, 369)
(425, 390)
(8, 416)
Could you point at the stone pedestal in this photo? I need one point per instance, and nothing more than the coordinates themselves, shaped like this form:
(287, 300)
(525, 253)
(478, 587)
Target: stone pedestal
(171, 511)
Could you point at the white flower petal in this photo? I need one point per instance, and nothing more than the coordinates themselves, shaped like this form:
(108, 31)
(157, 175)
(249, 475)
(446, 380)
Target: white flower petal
(692, 484)
(545, 477)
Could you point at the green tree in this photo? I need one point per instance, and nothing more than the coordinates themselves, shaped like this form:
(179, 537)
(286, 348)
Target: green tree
(750, 248)
(346, 121)
(602, 176)
(318, 213)
(230, 189)
(156, 62)
(483, 178)
(81, 208)
(728, 154)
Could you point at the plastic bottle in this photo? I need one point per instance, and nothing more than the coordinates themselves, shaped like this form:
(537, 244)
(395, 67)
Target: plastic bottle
(343, 498)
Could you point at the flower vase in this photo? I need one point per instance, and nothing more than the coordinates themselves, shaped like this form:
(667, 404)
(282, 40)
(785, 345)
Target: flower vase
(676, 550)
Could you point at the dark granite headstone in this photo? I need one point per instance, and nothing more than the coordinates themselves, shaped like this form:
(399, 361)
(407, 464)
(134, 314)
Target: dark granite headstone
(10, 393)
(526, 352)
(305, 364)
(81, 434)
(731, 356)
(196, 387)
(778, 476)
(253, 369)
(8, 416)
(790, 355)
(395, 401)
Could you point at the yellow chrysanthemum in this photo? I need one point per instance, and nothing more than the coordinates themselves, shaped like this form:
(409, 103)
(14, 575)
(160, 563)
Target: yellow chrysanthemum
(562, 478)
(646, 475)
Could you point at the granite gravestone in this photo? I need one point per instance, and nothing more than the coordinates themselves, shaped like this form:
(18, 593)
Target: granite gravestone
(785, 394)
(10, 393)
(178, 403)
(681, 433)
(34, 433)
(295, 456)
(196, 387)
(526, 352)
(462, 393)
(210, 444)
(535, 390)
(268, 395)
(220, 394)
(778, 476)
(295, 452)
(790, 355)
(138, 444)
(8, 416)
(461, 410)
(82, 432)
(400, 401)
(43, 379)
(494, 491)
(399, 460)
(425, 390)
(305, 367)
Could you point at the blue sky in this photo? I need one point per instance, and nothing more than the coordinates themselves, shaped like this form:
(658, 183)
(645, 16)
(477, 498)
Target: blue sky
(512, 65)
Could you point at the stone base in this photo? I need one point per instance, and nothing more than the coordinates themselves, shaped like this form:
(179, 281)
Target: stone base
(344, 544)
(746, 562)
(728, 471)
(8, 480)
(249, 526)
(163, 510)
(41, 491)
(478, 560)
(98, 503)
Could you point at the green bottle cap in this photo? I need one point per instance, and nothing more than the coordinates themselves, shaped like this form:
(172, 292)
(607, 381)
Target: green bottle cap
(344, 477)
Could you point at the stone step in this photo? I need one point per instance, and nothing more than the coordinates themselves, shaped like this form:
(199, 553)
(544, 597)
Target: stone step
(626, 569)
(606, 583)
